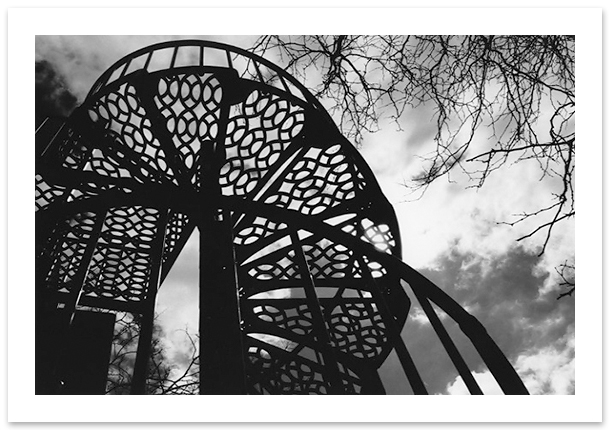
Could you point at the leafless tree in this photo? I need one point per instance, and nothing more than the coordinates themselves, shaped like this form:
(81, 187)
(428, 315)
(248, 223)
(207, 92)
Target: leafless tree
(514, 92)
(163, 377)
(566, 272)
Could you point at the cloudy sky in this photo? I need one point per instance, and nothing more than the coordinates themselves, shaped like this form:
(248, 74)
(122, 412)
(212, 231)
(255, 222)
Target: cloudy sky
(451, 234)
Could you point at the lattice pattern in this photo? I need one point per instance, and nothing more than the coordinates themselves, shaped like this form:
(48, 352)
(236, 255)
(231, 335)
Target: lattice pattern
(278, 366)
(118, 275)
(351, 318)
(72, 151)
(378, 235)
(91, 189)
(282, 269)
(46, 193)
(121, 263)
(330, 260)
(326, 260)
(258, 132)
(257, 229)
(321, 179)
(358, 329)
(69, 251)
(294, 317)
(173, 233)
(273, 370)
(375, 268)
(102, 163)
(130, 227)
(190, 104)
(127, 124)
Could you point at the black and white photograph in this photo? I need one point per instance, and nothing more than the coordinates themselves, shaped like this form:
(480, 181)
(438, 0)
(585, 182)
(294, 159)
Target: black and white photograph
(316, 214)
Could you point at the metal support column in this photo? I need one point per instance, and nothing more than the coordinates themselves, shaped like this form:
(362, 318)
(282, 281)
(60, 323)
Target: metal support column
(138, 384)
(221, 355)
(221, 359)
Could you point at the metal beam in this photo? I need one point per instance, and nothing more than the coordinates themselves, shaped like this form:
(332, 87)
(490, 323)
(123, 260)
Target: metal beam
(138, 383)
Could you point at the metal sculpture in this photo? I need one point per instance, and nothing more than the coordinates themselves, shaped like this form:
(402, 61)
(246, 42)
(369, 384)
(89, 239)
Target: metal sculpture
(302, 289)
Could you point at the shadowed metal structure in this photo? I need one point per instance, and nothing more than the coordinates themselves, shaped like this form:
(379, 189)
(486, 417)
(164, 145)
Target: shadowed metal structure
(302, 289)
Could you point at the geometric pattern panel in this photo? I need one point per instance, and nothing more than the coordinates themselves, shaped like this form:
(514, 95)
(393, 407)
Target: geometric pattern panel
(68, 251)
(121, 262)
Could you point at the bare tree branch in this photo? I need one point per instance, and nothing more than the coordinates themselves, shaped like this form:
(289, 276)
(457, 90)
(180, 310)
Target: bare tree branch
(516, 92)
(164, 377)
(568, 279)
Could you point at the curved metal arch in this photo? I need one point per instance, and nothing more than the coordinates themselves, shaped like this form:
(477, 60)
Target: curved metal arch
(266, 176)
(425, 291)
(200, 61)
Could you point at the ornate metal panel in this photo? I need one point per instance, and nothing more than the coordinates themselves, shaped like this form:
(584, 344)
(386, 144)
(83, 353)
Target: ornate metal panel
(301, 277)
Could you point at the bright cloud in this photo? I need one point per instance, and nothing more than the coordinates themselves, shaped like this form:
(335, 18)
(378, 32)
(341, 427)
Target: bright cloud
(485, 380)
(546, 371)
(550, 370)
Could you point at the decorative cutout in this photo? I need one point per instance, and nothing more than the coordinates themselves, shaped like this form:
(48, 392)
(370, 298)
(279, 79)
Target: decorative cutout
(190, 104)
(358, 329)
(320, 180)
(127, 123)
(76, 232)
(257, 229)
(259, 130)
(173, 232)
(121, 263)
(272, 370)
(46, 193)
(295, 318)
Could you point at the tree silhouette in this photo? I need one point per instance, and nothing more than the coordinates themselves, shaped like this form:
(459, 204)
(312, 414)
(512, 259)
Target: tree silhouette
(164, 375)
(496, 101)
(568, 279)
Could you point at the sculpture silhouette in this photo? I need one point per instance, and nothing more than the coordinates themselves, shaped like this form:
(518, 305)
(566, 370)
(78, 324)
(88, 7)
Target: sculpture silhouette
(302, 289)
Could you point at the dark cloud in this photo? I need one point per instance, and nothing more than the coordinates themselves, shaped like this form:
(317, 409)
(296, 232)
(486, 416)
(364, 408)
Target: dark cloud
(52, 96)
(503, 293)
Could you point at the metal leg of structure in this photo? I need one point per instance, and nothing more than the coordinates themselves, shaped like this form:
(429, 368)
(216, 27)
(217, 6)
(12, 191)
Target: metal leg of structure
(138, 383)
(77, 286)
(222, 369)
(408, 365)
(496, 361)
(449, 345)
(66, 315)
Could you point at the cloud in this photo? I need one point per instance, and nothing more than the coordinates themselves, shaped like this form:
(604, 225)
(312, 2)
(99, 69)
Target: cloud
(505, 290)
(454, 236)
(550, 370)
(485, 380)
(451, 215)
(502, 292)
(80, 60)
(52, 97)
(177, 302)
